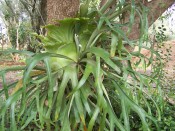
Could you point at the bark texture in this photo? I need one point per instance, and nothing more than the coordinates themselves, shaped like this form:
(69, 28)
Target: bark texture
(156, 9)
(44, 14)
(60, 9)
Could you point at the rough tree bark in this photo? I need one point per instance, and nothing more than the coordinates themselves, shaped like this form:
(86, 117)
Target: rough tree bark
(43, 16)
(156, 8)
(58, 9)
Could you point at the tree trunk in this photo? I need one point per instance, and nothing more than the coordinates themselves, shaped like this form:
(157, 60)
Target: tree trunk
(43, 8)
(58, 9)
(156, 9)
(17, 36)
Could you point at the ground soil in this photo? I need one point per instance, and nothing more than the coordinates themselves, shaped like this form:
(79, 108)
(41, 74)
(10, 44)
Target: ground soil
(10, 63)
(11, 76)
(167, 52)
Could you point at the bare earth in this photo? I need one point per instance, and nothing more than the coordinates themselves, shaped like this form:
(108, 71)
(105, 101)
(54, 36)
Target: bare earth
(11, 76)
(170, 64)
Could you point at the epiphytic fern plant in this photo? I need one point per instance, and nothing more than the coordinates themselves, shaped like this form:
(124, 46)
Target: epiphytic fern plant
(83, 83)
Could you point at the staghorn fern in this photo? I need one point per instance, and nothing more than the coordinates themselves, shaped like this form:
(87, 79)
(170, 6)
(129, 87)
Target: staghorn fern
(82, 65)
